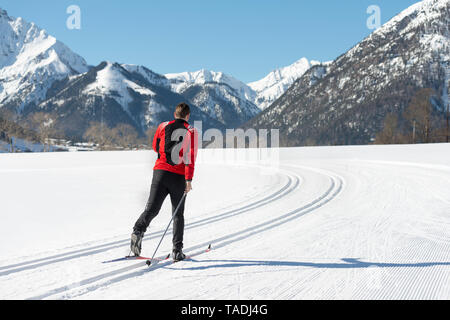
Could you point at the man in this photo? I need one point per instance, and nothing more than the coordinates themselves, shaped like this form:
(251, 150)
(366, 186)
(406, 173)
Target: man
(176, 143)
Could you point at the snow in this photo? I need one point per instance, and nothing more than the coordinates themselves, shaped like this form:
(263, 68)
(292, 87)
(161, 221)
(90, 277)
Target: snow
(278, 81)
(354, 222)
(204, 76)
(262, 93)
(418, 14)
(111, 81)
(426, 10)
(226, 88)
(184, 80)
(148, 75)
(31, 60)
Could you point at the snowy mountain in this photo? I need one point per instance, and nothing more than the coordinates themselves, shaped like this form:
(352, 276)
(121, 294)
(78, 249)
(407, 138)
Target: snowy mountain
(30, 61)
(221, 96)
(227, 98)
(271, 87)
(39, 73)
(345, 102)
(112, 93)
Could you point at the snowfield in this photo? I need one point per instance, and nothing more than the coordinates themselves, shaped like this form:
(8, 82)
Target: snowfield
(356, 222)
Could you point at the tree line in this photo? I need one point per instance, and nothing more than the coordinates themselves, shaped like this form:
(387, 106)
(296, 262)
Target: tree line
(420, 122)
(9, 129)
(122, 136)
(41, 127)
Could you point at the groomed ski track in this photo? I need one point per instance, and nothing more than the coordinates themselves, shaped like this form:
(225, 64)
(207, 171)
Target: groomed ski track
(327, 227)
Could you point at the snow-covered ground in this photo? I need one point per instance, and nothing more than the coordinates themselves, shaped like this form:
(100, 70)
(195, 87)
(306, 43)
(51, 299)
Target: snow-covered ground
(21, 145)
(369, 222)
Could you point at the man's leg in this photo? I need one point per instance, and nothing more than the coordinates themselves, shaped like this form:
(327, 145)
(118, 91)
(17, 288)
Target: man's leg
(176, 190)
(158, 193)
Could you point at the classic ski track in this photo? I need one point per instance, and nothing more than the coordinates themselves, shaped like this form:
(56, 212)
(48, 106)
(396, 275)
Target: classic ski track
(419, 288)
(81, 287)
(291, 185)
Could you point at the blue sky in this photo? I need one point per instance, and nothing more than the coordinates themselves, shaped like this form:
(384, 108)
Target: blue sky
(244, 38)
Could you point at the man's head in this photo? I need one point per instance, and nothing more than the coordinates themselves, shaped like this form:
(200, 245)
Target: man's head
(182, 111)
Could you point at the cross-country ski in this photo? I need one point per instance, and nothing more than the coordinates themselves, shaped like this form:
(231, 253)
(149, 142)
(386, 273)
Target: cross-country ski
(134, 258)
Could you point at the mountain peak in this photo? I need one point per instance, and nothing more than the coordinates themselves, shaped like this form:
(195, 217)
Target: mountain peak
(204, 76)
(420, 16)
(376, 77)
(261, 93)
(418, 13)
(30, 61)
(278, 81)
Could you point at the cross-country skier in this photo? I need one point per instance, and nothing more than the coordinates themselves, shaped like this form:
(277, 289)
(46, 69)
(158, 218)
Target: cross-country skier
(176, 143)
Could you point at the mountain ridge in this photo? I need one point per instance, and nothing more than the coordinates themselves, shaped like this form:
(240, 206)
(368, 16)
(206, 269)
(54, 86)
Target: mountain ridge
(41, 70)
(30, 61)
(377, 76)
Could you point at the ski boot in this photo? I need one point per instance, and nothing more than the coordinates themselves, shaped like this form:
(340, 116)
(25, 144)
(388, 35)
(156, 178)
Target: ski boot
(178, 255)
(136, 242)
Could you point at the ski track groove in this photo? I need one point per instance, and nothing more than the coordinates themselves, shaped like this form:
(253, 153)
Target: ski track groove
(336, 186)
(406, 285)
(424, 283)
(33, 264)
(77, 286)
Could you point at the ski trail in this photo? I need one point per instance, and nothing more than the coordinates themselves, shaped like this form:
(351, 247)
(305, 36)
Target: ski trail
(336, 186)
(290, 185)
(340, 228)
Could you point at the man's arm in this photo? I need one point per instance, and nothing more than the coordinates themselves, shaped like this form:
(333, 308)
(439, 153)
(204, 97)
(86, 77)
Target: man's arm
(191, 149)
(157, 140)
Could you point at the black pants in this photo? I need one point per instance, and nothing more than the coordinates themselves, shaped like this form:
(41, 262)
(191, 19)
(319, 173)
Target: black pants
(165, 183)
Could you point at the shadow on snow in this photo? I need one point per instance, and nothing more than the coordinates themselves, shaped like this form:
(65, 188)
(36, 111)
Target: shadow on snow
(348, 263)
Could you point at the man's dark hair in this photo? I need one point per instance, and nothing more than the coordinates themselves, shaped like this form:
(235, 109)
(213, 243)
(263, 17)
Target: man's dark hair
(182, 110)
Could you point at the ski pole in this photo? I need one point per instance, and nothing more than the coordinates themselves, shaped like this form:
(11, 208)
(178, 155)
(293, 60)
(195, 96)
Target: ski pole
(149, 262)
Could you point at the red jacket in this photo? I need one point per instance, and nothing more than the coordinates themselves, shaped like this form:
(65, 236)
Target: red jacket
(176, 143)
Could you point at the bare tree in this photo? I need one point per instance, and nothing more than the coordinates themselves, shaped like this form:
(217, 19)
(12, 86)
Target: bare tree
(390, 133)
(100, 135)
(419, 116)
(125, 136)
(44, 125)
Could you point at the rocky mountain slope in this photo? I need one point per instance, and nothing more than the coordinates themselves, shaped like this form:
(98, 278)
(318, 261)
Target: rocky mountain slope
(30, 61)
(219, 95)
(278, 81)
(39, 73)
(113, 94)
(346, 101)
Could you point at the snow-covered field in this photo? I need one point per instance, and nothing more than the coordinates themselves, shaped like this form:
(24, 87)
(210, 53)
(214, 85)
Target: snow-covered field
(370, 222)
